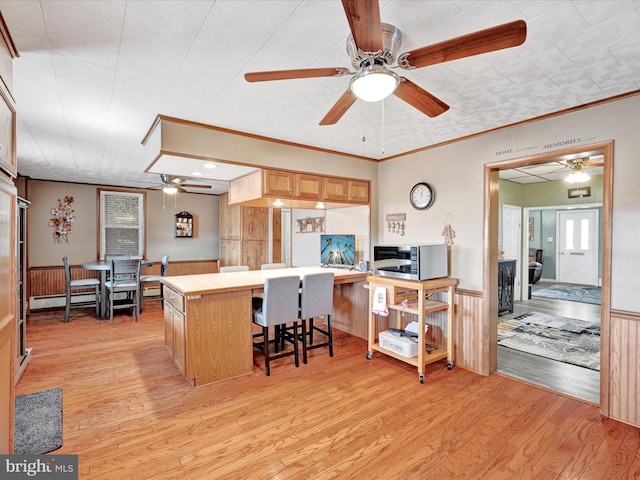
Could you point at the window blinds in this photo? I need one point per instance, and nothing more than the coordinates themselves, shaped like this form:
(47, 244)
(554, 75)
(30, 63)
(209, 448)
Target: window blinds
(121, 224)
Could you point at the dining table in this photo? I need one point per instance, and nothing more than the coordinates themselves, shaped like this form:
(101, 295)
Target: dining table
(104, 266)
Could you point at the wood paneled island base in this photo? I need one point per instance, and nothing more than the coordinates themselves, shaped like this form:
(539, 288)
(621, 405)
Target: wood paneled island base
(208, 323)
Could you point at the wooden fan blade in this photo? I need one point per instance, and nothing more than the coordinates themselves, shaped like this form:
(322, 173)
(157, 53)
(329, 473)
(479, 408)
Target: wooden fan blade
(194, 185)
(291, 74)
(339, 109)
(420, 98)
(496, 38)
(364, 21)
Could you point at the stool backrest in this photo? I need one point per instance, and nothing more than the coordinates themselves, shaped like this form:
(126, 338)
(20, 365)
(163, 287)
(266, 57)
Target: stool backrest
(280, 301)
(316, 298)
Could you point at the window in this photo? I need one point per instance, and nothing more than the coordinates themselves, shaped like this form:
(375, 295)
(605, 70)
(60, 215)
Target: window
(121, 224)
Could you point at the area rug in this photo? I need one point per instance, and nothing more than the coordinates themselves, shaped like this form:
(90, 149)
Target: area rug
(563, 339)
(572, 293)
(38, 422)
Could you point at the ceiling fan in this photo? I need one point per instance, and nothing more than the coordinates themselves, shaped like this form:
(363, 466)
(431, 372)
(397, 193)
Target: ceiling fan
(171, 184)
(576, 165)
(373, 48)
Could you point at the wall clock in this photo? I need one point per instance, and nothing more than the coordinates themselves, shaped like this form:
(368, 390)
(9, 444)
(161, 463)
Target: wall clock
(421, 196)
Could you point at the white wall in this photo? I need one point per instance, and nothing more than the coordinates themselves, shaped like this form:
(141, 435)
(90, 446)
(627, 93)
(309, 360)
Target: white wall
(305, 247)
(456, 173)
(82, 244)
(349, 220)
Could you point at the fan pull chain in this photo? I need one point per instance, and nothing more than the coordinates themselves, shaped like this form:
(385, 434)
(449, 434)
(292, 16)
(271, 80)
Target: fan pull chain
(363, 122)
(382, 130)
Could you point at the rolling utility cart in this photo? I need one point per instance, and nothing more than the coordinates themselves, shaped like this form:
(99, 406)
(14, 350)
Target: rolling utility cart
(412, 297)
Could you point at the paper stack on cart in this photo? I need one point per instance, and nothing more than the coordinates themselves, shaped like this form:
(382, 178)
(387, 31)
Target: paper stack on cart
(412, 327)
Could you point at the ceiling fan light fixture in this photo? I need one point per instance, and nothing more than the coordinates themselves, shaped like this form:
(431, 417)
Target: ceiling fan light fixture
(374, 83)
(169, 189)
(577, 176)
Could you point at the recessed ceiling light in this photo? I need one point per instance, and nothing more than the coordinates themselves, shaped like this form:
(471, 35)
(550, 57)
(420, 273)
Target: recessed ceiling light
(196, 174)
(209, 165)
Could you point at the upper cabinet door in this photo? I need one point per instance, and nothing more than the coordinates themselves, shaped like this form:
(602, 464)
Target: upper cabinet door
(7, 135)
(279, 183)
(358, 191)
(336, 189)
(309, 186)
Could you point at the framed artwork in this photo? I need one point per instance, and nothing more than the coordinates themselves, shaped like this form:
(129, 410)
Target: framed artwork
(531, 228)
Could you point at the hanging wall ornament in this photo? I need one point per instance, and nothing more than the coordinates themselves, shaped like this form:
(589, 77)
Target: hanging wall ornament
(448, 233)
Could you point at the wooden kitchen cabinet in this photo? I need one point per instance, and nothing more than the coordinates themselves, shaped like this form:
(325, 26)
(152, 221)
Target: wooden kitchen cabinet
(279, 183)
(336, 189)
(308, 187)
(358, 191)
(345, 190)
(175, 327)
(7, 134)
(244, 235)
(262, 188)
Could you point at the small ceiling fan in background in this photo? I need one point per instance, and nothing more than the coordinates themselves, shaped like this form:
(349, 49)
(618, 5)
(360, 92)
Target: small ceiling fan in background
(576, 166)
(373, 48)
(172, 185)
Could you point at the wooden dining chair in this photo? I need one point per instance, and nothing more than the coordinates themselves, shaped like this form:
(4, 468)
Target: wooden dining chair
(278, 307)
(124, 278)
(80, 286)
(154, 279)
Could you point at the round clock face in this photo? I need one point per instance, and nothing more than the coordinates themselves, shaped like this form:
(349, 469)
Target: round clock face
(421, 196)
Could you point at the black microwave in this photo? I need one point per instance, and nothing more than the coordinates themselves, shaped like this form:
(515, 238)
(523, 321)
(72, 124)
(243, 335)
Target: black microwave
(420, 262)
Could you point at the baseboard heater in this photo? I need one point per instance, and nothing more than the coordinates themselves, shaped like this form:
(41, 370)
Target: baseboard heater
(55, 301)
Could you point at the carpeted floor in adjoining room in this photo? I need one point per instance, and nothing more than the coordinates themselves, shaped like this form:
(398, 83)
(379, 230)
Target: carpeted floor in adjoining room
(571, 293)
(563, 339)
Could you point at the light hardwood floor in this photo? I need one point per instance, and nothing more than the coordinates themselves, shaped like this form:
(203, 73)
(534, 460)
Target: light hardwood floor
(129, 414)
(561, 377)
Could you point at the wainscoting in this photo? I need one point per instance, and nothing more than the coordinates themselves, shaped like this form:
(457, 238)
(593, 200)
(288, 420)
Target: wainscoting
(46, 285)
(624, 366)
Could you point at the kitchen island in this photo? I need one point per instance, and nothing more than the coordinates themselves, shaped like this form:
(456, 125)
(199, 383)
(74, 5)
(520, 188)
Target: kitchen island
(208, 324)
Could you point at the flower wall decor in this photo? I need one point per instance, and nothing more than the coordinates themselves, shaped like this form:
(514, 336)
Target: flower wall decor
(63, 218)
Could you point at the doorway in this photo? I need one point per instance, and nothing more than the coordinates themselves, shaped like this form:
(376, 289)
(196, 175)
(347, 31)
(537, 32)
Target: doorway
(491, 244)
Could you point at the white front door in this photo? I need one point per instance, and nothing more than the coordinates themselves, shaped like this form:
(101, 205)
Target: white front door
(511, 238)
(577, 246)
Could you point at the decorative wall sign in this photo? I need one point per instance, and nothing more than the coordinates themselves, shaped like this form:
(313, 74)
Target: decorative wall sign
(184, 225)
(311, 224)
(63, 218)
(579, 192)
(395, 223)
